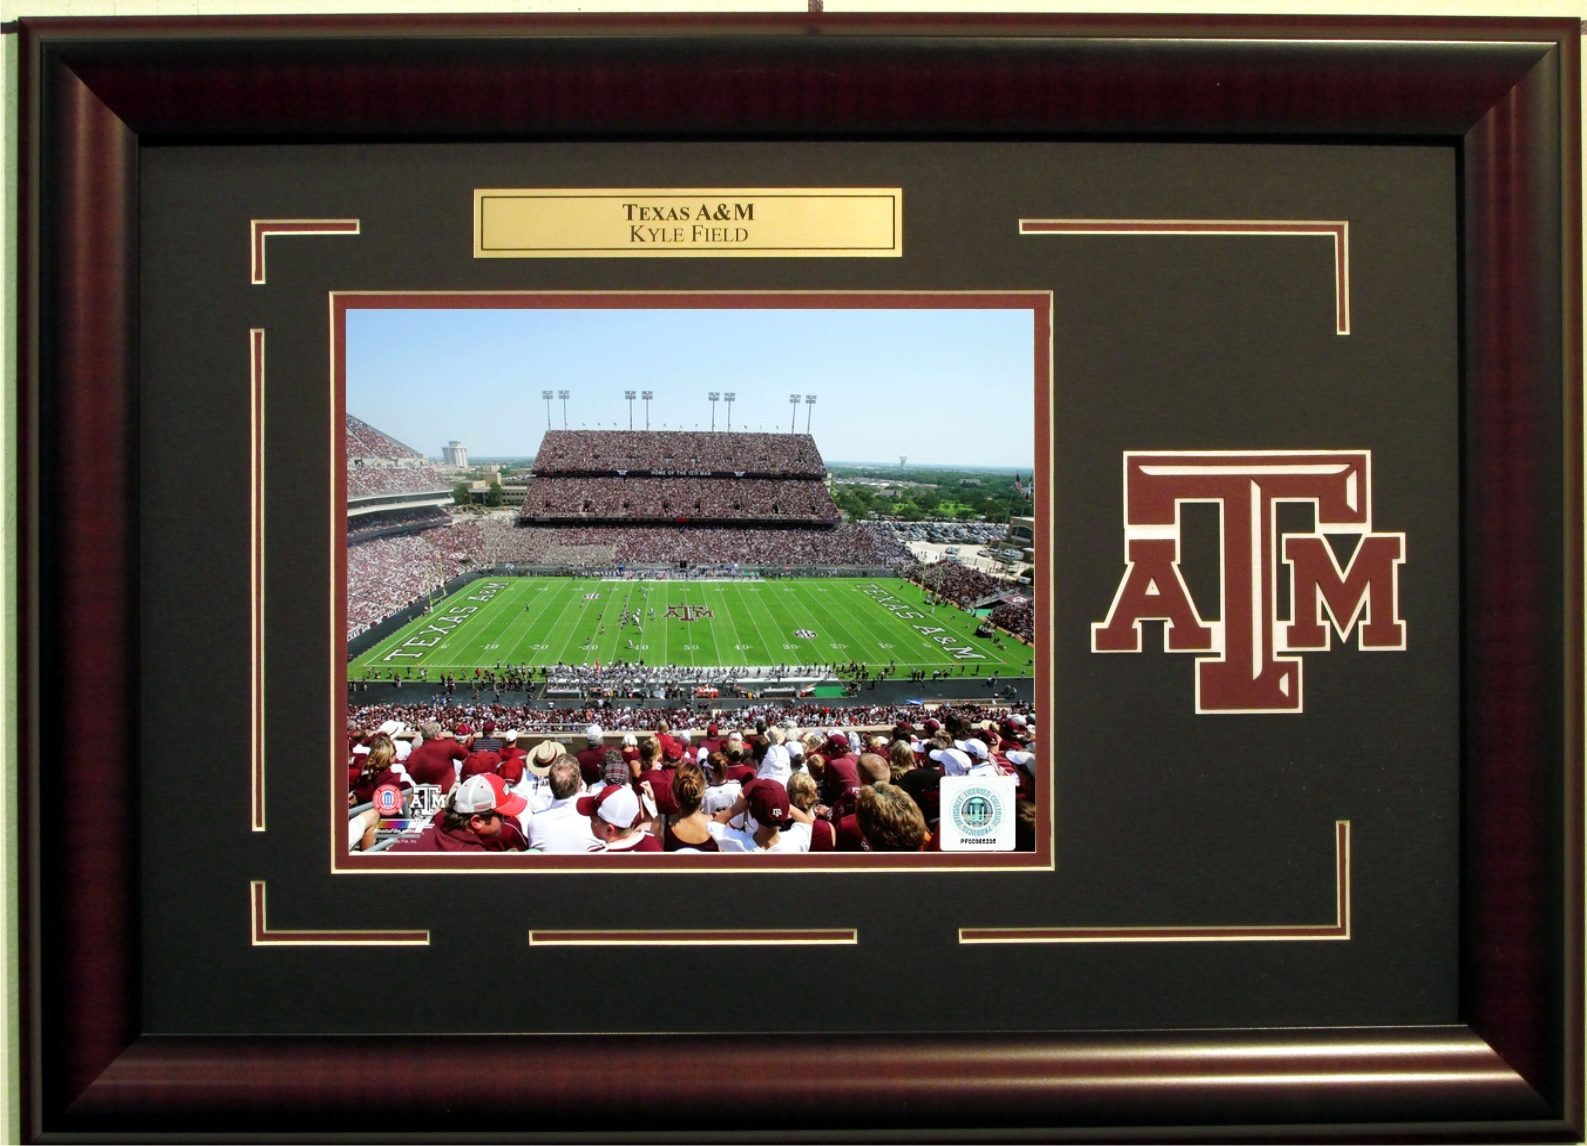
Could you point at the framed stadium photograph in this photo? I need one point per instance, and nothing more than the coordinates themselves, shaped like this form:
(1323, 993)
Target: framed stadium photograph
(623, 563)
(1081, 515)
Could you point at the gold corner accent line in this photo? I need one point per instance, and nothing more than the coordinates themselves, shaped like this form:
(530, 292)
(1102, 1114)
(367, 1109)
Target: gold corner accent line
(1336, 230)
(721, 937)
(256, 573)
(261, 229)
(263, 936)
(1338, 930)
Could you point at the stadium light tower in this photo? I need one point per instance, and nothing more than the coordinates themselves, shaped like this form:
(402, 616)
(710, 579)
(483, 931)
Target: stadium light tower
(713, 396)
(546, 394)
(630, 395)
(563, 394)
(793, 400)
(810, 400)
(647, 396)
(730, 396)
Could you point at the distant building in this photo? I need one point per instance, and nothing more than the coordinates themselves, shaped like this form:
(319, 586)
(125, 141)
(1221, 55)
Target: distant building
(455, 454)
(1022, 536)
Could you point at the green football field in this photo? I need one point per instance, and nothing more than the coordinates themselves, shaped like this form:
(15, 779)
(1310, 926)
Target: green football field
(547, 620)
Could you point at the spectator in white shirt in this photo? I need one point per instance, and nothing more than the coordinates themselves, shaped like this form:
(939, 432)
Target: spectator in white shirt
(561, 828)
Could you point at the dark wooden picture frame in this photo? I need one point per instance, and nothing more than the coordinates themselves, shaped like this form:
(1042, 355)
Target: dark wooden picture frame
(1504, 92)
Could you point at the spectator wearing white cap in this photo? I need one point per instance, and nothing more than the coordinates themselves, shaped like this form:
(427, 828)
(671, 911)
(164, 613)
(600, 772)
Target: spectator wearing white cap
(472, 821)
(593, 754)
(614, 816)
(981, 762)
(954, 761)
(561, 828)
(776, 764)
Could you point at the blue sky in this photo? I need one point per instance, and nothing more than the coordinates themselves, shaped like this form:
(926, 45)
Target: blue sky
(888, 382)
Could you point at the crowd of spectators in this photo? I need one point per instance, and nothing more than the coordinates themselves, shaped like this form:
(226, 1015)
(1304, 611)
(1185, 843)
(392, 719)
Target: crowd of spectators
(1017, 616)
(624, 678)
(387, 574)
(735, 783)
(370, 524)
(365, 443)
(619, 718)
(954, 582)
(590, 452)
(671, 498)
(373, 481)
(865, 544)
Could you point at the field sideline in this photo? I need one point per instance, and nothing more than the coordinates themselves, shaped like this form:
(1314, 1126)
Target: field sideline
(550, 620)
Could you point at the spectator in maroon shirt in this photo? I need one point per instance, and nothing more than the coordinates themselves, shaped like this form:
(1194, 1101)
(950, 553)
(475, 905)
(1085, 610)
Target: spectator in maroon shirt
(373, 770)
(670, 748)
(841, 779)
(480, 763)
(433, 761)
(513, 756)
(873, 770)
(739, 767)
(593, 754)
(648, 771)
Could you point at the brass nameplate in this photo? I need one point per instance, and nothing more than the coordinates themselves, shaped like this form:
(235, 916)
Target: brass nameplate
(674, 222)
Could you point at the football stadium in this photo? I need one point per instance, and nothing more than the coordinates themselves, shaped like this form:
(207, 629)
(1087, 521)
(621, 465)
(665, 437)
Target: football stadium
(674, 642)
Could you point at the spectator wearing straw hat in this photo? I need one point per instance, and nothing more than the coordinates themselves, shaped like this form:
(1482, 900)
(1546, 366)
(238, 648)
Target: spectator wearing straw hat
(561, 828)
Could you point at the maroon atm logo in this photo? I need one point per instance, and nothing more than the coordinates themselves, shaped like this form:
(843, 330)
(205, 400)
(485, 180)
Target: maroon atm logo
(1241, 662)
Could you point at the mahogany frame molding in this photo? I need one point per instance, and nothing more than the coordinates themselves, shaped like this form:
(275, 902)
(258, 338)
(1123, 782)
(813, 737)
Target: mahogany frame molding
(1504, 92)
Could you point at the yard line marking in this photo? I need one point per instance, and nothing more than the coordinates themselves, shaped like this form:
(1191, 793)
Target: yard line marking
(526, 635)
(773, 648)
(845, 654)
(569, 603)
(767, 605)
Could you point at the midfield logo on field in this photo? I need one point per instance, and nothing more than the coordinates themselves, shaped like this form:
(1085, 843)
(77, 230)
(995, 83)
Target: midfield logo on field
(688, 612)
(1239, 668)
